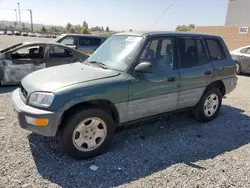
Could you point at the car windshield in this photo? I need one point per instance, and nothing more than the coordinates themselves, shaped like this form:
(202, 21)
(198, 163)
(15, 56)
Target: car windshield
(117, 52)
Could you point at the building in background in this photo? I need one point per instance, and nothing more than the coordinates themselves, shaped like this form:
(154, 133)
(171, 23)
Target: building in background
(238, 12)
(236, 31)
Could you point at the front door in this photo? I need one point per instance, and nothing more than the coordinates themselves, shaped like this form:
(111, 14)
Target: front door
(195, 71)
(245, 59)
(156, 92)
(21, 62)
(58, 55)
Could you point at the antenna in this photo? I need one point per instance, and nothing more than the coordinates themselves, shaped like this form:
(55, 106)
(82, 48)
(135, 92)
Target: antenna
(160, 16)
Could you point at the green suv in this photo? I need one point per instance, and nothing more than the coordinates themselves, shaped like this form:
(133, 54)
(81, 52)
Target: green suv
(131, 76)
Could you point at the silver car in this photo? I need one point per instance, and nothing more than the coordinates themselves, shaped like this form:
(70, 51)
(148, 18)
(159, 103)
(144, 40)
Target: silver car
(82, 42)
(242, 58)
(19, 60)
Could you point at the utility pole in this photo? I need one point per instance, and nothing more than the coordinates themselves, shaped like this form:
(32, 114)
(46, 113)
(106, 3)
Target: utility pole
(20, 22)
(16, 18)
(31, 20)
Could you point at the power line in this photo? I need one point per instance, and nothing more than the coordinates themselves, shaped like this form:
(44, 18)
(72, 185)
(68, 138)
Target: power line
(160, 16)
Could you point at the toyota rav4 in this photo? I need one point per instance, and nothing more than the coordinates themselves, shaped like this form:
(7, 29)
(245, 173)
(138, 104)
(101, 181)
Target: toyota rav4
(131, 76)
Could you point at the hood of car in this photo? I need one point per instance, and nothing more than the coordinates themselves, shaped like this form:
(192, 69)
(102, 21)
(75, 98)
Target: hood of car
(50, 79)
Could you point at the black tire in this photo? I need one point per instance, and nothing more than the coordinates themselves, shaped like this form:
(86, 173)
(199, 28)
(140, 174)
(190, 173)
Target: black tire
(65, 135)
(239, 68)
(199, 112)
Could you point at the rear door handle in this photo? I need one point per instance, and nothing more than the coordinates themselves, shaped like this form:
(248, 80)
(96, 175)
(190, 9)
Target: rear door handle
(207, 72)
(171, 79)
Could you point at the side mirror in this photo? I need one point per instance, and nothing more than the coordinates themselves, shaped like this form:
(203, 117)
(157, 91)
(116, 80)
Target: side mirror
(144, 67)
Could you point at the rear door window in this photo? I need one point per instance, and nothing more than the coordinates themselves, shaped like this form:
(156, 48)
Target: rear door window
(215, 49)
(202, 57)
(188, 53)
(89, 41)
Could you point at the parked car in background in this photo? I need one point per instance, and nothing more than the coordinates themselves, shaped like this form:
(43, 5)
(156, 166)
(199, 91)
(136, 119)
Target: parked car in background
(85, 43)
(9, 32)
(2, 32)
(30, 34)
(17, 33)
(129, 77)
(24, 34)
(19, 60)
(38, 35)
(242, 58)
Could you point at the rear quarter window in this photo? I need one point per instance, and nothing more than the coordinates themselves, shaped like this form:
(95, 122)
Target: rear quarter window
(89, 41)
(215, 49)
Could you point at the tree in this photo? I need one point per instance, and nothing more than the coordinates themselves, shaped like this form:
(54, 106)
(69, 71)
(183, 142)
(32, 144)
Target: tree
(77, 28)
(102, 29)
(185, 28)
(84, 30)
(24, 28)
(15, 24)
(107, 29)
(130, 30)
(72, 30)
(43, 29)
(107, 35)
(85, 24)
(68, 26)
(191, 26)
(50, 29)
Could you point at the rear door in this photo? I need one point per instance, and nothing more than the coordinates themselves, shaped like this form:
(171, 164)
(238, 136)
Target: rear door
(58, 55)
(88, 44)
(195, 70)
(23, 61)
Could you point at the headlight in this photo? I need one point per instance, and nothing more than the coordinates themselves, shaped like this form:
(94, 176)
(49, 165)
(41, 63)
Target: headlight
(42, 99)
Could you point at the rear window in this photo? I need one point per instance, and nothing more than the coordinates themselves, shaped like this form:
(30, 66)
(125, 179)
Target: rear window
(215, 49)
(89, 41)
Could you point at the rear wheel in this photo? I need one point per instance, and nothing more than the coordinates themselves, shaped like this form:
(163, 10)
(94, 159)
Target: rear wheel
(209, 105)
(87, 133)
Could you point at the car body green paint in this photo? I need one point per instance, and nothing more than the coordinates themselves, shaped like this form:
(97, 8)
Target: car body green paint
(134, 94)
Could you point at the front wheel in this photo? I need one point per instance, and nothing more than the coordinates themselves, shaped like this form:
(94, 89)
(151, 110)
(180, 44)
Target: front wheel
(209, 105)
(87, 133)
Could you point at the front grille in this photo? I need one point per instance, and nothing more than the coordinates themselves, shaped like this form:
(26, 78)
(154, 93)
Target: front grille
(23, 91)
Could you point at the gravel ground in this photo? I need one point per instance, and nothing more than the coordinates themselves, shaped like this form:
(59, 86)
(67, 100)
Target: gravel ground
(171, 151)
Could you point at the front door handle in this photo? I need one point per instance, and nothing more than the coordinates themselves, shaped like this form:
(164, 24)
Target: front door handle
(207, 72)
(171, 79)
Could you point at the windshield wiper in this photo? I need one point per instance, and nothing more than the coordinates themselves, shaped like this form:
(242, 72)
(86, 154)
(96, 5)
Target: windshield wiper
(100, 64)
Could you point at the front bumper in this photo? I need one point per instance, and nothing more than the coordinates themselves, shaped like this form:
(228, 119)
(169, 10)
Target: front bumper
(24, 110)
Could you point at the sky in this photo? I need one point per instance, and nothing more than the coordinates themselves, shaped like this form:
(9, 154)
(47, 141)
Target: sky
(119, 15)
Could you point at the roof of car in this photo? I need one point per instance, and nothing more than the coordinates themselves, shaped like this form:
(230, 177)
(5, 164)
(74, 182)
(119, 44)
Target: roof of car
(41, 42)
(159, 33)
(82, 35)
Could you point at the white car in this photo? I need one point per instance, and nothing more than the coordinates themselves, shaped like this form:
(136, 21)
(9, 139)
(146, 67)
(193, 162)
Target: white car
(31, 34)
(9, 32)
(2, 32)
